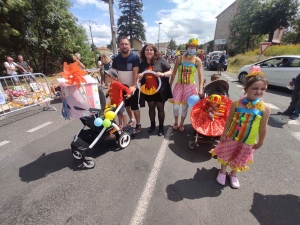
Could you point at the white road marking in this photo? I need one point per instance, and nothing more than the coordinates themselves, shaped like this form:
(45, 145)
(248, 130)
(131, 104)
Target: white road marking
(293, 122)
(141, 209)
(240, 86)
(272, 106)
(39, 127)
(296, 135)
(4, 143)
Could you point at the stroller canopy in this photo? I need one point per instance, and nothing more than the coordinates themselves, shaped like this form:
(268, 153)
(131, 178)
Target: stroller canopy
(219, 87)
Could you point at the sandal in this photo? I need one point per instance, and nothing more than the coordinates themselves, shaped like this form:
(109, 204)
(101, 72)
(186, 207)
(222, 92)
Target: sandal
(234, 182)
(175, 126)
(181, 128)
(221, 178)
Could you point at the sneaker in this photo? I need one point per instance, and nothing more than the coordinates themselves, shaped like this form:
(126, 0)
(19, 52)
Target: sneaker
(131, 123)
(294, 116)
(138, 128)
(285, 113)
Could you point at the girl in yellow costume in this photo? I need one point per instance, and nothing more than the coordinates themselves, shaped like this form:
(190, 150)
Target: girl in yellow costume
(187, 66)
(248, 118)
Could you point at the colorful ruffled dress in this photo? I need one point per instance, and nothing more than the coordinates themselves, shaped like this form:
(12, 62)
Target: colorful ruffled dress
(185, 86)
(201, 121)
(237, 150)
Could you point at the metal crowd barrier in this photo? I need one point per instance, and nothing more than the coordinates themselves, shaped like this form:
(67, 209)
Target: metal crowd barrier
(18, 92)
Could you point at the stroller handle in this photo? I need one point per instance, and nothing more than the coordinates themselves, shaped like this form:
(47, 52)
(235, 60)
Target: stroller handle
(138, 83)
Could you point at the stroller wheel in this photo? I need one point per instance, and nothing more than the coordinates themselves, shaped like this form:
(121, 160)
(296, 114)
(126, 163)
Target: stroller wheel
(124, 140)
(89, 163)
(191, 145)
(77, 154)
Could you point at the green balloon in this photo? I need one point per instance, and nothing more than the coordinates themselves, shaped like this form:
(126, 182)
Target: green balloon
(106, 123)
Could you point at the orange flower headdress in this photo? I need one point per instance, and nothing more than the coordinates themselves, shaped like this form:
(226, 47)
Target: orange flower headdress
(255, 71)
(73, 74)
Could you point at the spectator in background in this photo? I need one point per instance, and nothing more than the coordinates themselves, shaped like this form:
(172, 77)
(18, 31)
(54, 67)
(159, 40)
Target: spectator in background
(28, 69)
(221, 62)
(101, 71)
(106, 61)
(76, 58)
(294, 109)
(11, 68)
(201, 56)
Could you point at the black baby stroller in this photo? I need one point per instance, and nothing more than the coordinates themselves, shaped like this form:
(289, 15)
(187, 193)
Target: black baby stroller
(206, 129)
(94, 137)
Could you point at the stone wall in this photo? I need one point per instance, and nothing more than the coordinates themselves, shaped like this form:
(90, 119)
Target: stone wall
(222, 30)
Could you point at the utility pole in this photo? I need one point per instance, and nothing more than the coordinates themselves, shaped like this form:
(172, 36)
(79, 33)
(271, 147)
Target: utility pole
(90, 23)
(112, 25)
(158, 36)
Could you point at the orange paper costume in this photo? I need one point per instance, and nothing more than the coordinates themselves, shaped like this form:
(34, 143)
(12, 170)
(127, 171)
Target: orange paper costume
(209, 115)
(150, 85)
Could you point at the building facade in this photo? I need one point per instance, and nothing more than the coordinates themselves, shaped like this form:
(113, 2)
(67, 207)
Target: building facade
(222, 32)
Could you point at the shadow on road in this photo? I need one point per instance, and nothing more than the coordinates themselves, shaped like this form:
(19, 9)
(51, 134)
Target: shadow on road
(53, 162)
(276, 209)
(181, 149)
(202, 185)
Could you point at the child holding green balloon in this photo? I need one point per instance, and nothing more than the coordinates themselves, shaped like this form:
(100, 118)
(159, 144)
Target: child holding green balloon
(115, 93)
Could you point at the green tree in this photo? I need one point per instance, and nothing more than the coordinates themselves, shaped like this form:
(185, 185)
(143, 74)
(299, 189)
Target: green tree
(292, 34)
(172, 44)
(130, 23)
(110, 45)
(181, 47)
(241, 27)
(44, 31)
(274, 14)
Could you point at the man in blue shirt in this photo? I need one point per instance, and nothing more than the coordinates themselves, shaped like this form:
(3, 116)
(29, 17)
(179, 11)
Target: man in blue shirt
(221, 62)
(127, 64)
(294, 109)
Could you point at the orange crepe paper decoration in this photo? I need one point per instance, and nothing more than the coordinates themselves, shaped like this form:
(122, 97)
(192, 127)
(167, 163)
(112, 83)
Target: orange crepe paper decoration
(73, 74)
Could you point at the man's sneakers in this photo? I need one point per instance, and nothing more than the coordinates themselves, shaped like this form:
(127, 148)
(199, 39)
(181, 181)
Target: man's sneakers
(138, 128)
(294, 116)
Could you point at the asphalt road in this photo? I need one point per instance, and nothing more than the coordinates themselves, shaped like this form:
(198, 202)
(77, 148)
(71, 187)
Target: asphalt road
(155, 180)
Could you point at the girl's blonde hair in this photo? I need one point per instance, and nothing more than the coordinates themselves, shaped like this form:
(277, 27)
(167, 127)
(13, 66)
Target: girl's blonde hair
(105, 59)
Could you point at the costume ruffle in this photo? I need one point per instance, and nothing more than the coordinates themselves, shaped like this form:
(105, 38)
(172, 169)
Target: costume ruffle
(201, 121)
(234, 154)
(182, 92)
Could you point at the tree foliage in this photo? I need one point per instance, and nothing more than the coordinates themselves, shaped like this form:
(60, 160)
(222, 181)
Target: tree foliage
(130, 23)
(172, 44)
(241, 26)
(292, 33)
(181, 47)
(274, 14)
(44, 31)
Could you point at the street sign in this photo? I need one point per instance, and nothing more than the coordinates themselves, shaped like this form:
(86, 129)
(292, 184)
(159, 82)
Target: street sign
(220, 41)
(264, 46)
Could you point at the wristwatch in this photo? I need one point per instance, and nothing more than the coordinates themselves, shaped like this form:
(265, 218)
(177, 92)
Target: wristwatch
(164, 74)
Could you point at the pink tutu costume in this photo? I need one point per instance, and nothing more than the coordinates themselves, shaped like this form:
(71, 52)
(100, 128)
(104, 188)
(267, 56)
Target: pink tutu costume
(185, 85)
(237, 150)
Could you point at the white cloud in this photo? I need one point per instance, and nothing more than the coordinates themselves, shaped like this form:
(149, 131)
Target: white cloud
(98, 3)
(189, 18)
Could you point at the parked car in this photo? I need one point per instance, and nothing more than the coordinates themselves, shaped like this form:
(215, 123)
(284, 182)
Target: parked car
(279, 70)
(213, 63)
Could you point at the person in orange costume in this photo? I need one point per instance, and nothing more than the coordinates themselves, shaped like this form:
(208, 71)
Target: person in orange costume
(209, 115)
(115, 93)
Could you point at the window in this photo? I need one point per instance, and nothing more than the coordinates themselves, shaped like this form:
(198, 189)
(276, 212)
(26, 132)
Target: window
(295, 62)
(275, 62)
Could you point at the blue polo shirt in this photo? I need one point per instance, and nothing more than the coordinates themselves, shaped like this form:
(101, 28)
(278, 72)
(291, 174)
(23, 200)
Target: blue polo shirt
(125, 66)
